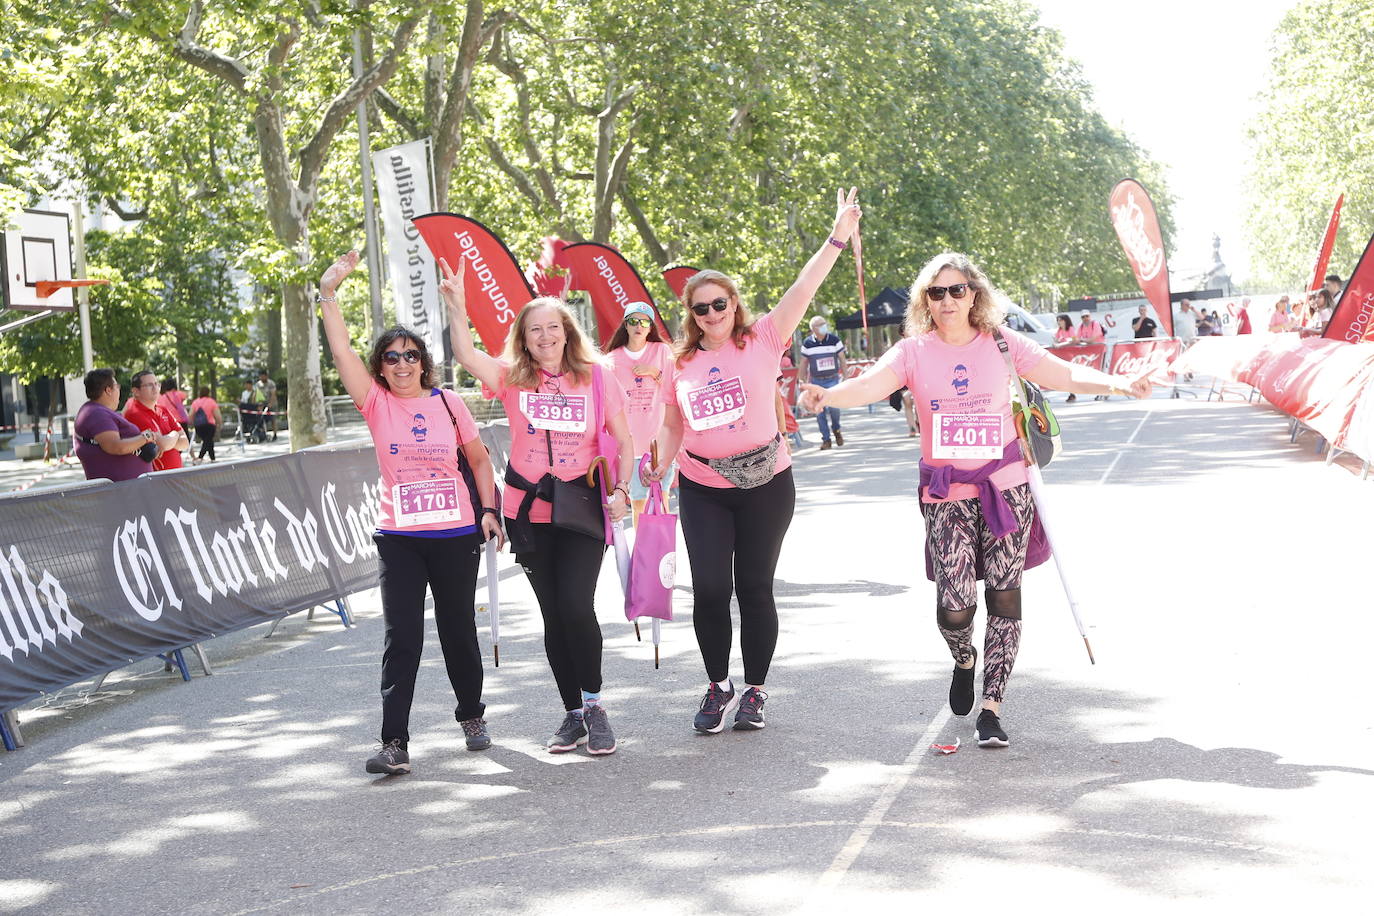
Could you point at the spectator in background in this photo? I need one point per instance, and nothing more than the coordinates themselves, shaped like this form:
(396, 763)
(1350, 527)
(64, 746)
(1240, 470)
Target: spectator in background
(206, 419)
(1334, 286)
(173, 399)
(107, 444)
(1143, 325)
(146, 413)
(1325, 306)
(265, 393)
(1280, 320)
(1185, 325)
(250, 415)
(1215, 320)
(823, 363)
(1243, 318)
(1063, 330)
(1089, 331)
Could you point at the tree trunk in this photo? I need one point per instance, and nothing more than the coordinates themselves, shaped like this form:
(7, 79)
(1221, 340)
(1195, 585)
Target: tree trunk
(305, 395)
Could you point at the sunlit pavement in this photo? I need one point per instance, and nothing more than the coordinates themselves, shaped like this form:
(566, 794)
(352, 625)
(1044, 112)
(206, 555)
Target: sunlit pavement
(1218, 754)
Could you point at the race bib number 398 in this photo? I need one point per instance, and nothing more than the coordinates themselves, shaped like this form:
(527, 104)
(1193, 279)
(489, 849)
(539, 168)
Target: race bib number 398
(967, 435)
(424, 502)
(715, 405)
(556, 412)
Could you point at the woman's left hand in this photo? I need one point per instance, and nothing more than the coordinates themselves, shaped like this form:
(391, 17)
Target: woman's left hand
(646, 369)
(337, 272)
(618, 505)
(491, 528)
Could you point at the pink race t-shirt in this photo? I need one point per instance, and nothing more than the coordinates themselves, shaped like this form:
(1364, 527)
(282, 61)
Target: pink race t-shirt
(559, 417)
(727, 401)
(963, 397)
(206, 404)
(643, 407)
(422, 488)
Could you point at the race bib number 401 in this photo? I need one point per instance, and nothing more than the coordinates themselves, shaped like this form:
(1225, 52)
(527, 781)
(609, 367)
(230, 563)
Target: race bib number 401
(425, 502)
(715, 405)
(967, 435)
(556, 412)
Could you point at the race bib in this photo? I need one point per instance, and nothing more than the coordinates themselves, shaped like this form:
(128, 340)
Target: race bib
(424, 502)
(967, 435)
(715, 405)
(825, 364)
(556, 412)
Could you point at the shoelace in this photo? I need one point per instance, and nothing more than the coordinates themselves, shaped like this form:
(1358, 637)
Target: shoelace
(714, 701)
(753, 699)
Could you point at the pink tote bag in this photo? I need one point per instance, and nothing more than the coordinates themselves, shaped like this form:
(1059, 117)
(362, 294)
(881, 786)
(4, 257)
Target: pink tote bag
(653, 564)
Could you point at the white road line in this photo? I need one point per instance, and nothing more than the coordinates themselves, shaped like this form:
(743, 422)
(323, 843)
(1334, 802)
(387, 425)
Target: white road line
(1121, 451)
(860, 837)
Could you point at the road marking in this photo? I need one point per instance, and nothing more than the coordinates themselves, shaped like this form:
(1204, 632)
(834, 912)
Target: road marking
(1121, 451)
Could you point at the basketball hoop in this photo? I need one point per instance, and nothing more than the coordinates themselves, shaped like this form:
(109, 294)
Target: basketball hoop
(45, 288)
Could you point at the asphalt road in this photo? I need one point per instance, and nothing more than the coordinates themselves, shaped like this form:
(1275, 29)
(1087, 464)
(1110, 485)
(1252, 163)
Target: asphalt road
(1218, 754)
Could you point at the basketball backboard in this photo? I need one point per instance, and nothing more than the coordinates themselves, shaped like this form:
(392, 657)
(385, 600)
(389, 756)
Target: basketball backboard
(37, 249)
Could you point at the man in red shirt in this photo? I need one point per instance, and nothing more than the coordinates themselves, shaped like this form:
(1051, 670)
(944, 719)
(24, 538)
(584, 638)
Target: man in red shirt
(145, 413)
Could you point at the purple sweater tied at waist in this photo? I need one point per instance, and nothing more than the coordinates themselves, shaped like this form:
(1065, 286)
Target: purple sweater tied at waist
(937, 478)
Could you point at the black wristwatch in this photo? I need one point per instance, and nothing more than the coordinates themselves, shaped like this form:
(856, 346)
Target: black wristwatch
(494, 511)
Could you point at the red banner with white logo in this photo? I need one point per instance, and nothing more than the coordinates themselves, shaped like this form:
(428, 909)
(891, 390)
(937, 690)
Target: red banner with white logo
(677, 277)
(1091, 355)
(611, 282)
(1133, 217)
(1136, 358)
(495, 285)
(1351, 322)
(1328, 241)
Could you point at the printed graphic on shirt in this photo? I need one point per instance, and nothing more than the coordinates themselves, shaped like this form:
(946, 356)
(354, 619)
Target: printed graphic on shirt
(718, 403)
(420, 428)
(555, 412)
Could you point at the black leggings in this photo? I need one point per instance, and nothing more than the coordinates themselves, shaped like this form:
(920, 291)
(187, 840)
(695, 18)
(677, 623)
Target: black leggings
(449, 567)
(206, 434)
(562, 571)
(734, 538)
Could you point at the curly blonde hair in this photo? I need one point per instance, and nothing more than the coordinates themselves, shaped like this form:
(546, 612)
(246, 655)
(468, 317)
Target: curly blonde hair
(989, 303)
(579, 354)
(687, 347)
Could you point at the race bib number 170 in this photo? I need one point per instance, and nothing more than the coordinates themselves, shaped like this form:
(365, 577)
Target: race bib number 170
(424, 502)
(715, 405)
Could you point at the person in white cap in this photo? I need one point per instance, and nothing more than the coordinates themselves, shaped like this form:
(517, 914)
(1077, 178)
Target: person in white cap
(823, 364)
(639, 356)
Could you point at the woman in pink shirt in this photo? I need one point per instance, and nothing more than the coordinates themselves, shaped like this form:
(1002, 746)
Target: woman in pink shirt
(437, 507)
(639, 357)
(205, 420)
(975, 497)
(736, 495)
(1063, 332)
(550, 379)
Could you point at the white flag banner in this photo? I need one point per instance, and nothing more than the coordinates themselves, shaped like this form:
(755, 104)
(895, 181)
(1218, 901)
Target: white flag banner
(403, 185)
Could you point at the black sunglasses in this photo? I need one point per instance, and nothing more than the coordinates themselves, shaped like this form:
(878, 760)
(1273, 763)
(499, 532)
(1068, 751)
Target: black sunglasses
(641, 322)
(701, 308)
(391, 357)
(936, 293)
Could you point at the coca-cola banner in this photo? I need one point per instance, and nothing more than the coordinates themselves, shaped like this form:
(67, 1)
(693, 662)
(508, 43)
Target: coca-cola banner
(1328, 242)
(1318, 381)
(677, 277)
(495, 285)
(1146, 357)
(94, 578)
(1090, 355)
(1351, 321)
(610, 281)
(1133, 217)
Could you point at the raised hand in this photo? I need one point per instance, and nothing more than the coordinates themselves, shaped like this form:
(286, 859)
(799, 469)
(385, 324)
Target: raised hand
(451, 286)
(847, 214)
(337, 273)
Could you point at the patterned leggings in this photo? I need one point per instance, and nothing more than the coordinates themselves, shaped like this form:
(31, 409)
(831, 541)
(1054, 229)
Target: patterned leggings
(960, 542)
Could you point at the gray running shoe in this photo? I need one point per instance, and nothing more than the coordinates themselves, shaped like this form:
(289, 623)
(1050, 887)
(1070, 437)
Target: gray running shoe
(750, 713)
(391, 760)
(475, 733)
(600, 740)
(569, 735)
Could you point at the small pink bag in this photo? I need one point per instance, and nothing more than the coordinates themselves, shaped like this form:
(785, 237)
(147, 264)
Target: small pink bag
(653, 564)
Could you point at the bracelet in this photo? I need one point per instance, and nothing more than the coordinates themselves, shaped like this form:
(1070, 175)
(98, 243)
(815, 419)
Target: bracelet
(319, 298)
(837, 243)
(621, 488)
(494, 511)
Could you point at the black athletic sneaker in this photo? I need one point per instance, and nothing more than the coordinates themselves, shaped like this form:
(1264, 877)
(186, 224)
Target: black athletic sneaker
(569, 735)
(716, 707)
(391, 760)
(961, 688)
(475, 733)
(600, 739)
(990, 732)
(750, 713)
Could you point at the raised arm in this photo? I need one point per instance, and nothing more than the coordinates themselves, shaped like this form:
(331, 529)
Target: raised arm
(1053, 372)
(874, 385)
(793, 304)
(357, 381)
(484, 367)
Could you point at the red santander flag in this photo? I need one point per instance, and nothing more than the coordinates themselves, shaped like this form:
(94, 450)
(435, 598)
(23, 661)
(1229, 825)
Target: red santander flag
(1133, 217)
(610, 281)
(677, 277)
(1352, 319)
(1328, 241)
(495, 285)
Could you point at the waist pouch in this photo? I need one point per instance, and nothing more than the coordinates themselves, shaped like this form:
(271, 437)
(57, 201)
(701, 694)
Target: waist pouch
(749, 469)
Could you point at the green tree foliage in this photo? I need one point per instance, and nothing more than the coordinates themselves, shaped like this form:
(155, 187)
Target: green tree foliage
(1310, 141)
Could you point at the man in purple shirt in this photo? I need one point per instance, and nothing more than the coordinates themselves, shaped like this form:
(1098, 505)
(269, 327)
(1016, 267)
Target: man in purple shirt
(107, 444)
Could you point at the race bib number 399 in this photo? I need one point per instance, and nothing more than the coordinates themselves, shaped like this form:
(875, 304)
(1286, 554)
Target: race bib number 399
(967, 435)
(556, 412)
(715, 405)
(424, 502)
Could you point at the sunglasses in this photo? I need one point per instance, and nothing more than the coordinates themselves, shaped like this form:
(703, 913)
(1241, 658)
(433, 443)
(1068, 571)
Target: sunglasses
(701, 308)
(391, 357)
(639, 322)
(936, 293)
